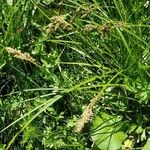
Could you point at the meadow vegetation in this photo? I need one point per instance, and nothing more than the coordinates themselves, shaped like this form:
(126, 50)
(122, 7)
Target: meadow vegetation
(74, 74)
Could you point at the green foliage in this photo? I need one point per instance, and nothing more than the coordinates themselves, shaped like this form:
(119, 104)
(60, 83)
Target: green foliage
(84, 50)
(147, 145)
(106, 132)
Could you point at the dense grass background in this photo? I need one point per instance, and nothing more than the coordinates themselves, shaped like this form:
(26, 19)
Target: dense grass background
(92, 60)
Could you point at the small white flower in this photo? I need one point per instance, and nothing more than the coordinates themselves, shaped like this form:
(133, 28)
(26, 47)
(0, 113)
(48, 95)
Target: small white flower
(146, 4)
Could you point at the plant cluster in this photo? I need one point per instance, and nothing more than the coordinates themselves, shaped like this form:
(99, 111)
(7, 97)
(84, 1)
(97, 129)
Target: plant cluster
(74, 74)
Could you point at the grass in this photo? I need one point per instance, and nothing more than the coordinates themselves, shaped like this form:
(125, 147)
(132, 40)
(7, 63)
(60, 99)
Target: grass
(74, 74)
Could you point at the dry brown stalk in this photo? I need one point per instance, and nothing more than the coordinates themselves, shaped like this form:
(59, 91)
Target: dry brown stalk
(58, 22)
(104, 28)
(86, 116)
(90, 27)
(20, 55)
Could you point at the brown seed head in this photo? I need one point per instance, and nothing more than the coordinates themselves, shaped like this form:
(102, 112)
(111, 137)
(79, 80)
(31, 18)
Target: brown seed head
(20, 55)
